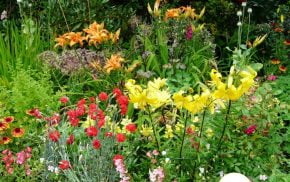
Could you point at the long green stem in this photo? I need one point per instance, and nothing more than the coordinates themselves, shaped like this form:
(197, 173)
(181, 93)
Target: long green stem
(154, 129)
(65, 20)
(183, 136)
(225, 125)
(202, 123)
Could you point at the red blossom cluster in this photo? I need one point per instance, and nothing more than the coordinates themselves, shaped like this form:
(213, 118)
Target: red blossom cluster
(122, 101)
(20, 157)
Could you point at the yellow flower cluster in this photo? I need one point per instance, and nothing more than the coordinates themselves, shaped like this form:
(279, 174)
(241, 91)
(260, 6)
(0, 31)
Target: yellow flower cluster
(155, 95)
(221, 91)
(229, 91)
(94, 34)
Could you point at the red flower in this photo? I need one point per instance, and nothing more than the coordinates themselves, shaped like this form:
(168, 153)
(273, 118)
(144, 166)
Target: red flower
(123, 102)
(64, 99)
(81, 102)
(91, 131)
(54, 136)
(92, 99)
(108, 134)
(8, 119)
(96, 144)
(117, 92)
(131, 127)
(120, 137)
(54, 120)
(70, 140)
(189, 131)
(64, 164)
(101, 123)
(118, 156)
(251, 129)
(103, 96)
(34, 112)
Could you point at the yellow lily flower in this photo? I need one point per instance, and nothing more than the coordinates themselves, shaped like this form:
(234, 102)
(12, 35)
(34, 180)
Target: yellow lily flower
(146, 131)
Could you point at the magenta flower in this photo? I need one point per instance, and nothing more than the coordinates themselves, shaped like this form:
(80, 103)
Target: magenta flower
(189, 33)
(251, 129)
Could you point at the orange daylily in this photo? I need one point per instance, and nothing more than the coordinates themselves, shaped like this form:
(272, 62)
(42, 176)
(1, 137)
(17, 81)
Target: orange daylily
(172, 13)
(94, 28)
(275, 61)
(188, 12)
(75, 37)
(61, 40)
(115, 37)
(113, 63)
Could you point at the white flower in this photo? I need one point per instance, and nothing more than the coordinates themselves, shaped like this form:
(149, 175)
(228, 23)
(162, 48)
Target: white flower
(3, 15)
(167, 160)
(19, 1)
(56, 170)
(29, 5)
(239, 13)
(263, 177)
(239, 23)
(250, 10)
(201, 169)
(41, 160)
(50, 168)
(163, 152)
(244, 4)
(207, 146)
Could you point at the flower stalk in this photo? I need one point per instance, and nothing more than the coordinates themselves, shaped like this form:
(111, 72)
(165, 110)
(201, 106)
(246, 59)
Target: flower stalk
(225, 125)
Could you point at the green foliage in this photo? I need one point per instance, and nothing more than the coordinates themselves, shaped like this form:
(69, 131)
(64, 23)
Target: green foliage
(19, 47)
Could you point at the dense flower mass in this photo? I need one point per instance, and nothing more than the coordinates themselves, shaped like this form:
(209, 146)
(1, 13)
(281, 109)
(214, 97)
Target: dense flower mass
(95, 35)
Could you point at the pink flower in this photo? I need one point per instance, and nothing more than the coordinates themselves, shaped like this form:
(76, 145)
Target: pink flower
(271, 77)
(155, 152)
(21, 157)
(157, 175)
(251, 129)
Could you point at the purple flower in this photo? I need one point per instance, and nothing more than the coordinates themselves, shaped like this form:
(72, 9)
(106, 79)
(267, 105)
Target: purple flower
(189, 33)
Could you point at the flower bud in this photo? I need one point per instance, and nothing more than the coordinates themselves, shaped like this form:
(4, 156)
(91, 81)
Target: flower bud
(239, 24)
(244, 4)
(239, 13)
(250, 10)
